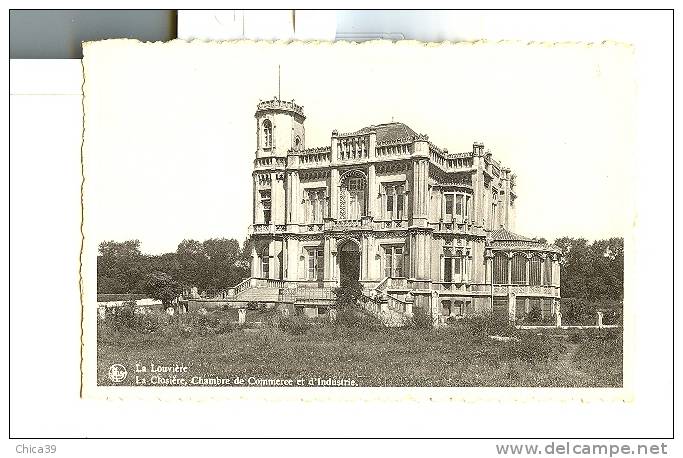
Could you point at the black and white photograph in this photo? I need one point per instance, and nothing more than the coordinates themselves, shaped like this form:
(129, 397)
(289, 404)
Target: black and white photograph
(357, 215)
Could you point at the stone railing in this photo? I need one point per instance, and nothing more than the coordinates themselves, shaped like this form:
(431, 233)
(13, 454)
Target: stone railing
(343, 224)
(390, 311)
(257, 282)
(393, 149)
(262, 228)
(396, 283)
(241, 286)
(270, 162)
(446, 286)
(498, 290)
(351, 148)
(277, 104)
(304, 294)
(382, 286)
(313, 227)
(314, 157)
(391, 224)
(449, 226)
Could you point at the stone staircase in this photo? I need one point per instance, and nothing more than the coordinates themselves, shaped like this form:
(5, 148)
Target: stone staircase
(258, 294)
(390, 310)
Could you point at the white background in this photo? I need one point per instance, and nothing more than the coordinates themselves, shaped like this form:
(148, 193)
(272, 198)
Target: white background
(45, 310)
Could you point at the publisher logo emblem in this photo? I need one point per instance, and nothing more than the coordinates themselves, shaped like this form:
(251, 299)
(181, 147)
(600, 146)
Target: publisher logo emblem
(117, 373)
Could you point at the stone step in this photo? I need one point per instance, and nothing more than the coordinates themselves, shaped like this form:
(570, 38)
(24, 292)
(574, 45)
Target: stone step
(265, 294)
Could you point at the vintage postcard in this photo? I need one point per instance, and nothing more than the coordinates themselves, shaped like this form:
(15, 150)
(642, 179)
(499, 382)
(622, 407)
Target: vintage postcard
(387, 220)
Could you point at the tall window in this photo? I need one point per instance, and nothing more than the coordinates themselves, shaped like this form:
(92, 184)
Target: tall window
(297, 144)
(452, 267)
(548, 271)
(467, 206)
(449, 205)
(459, 205)
(395, 198)
(500, 269)
(267, 134)
(352, 198)
(535, 271)
(393, 261)
(265, 264)
(456, 205)
(315, 205)
(315, 264)
(266, 205)
(519, 269)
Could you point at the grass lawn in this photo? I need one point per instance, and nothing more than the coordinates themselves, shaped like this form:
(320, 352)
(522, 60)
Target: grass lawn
(454, 356)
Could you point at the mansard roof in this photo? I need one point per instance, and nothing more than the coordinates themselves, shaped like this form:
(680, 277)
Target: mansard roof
(389, 132)
(503, 238)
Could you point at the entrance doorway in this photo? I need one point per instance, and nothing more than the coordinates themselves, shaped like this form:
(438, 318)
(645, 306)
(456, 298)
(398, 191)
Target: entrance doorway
(349, 262)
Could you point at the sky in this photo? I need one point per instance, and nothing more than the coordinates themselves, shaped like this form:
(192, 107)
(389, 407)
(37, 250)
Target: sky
(170, 136)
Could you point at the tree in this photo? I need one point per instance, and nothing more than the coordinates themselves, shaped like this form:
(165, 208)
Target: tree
(161, 286)
(592, 271)
(120, 267)
(192, 262)
(221, 266)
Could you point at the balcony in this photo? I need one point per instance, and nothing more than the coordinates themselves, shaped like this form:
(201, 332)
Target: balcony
(482, 289)
(267, 228)
(343, 225)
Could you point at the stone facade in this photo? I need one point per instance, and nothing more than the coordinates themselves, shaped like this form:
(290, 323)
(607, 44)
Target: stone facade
(386, 206)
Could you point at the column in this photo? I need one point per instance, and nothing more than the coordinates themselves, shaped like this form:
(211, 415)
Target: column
(254, 262)
(372, 191)
(296, 197)
(509, 263)
(292, 259)
(489, 267)
(334, 194)
(556, 272)
(512, 307)
(528, 266)
(334, 150)
(420, 192)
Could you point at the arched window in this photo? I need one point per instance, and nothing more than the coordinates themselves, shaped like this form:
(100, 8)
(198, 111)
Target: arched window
(297, 144)
(500, 269)
(518, 273)
(535, 271)
(267, 134)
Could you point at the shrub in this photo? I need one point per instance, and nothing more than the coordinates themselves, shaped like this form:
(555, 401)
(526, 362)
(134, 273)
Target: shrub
(531, 348)
(294, 325)
(352, 318)
(577, 312)
(421, 319)
(534, 316)
(348, 294)
(483, 325)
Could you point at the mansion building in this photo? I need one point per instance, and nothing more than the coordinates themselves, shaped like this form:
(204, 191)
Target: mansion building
(383, 205)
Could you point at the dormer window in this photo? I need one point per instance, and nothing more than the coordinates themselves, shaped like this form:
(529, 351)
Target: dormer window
(267, 134)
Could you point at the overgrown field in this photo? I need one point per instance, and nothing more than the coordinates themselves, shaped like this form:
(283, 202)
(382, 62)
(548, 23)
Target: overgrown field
(210, 346)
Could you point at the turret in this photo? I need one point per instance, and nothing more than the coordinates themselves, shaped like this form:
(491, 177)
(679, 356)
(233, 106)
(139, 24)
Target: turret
(279, 127)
